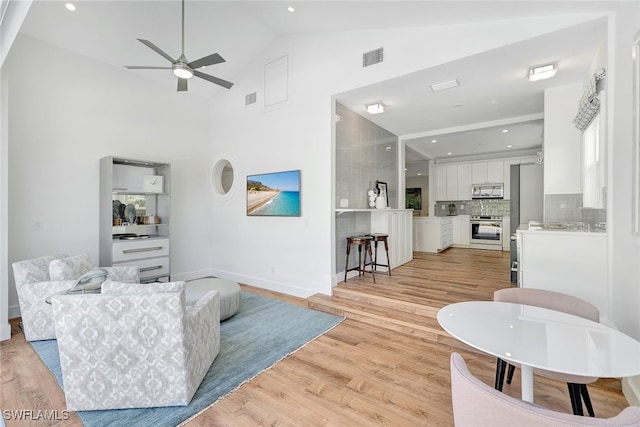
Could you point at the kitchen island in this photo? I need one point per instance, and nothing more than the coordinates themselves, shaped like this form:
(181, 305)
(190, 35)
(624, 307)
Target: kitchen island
(432, 233)
(573, 262)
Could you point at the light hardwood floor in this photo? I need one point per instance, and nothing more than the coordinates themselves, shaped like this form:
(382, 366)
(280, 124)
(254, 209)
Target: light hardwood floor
(386, 364)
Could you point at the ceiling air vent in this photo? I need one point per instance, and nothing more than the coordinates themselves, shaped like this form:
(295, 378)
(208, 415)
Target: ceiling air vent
(373, 57)
(250, 98)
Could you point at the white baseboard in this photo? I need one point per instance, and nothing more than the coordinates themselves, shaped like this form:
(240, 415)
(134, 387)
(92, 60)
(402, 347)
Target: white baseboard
(631, 390)
(271, 285)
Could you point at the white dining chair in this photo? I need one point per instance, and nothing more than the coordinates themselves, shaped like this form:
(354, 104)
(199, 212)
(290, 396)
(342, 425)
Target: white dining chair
(477, 404)
(577, 385)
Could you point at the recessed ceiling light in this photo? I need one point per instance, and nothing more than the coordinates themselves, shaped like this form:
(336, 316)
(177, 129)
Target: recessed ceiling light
(509, 146)
(457, 105)
(505, 130)
(70, 6)
(375, 108)
(448, 84)
(448, 154)
(419, 173)
(387, 148)
(433, 141)
(406, 169)
(542, 72)
(291, 9)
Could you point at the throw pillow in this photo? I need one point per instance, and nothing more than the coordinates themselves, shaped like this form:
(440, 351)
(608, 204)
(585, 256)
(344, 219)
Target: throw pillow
(90, 282)
(70, 268)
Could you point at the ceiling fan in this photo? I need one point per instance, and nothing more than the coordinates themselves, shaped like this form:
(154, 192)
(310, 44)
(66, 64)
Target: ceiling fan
(183, 69)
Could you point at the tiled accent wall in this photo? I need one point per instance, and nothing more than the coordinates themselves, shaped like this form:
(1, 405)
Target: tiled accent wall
(568, 208)
(365, 153)
(474, 207)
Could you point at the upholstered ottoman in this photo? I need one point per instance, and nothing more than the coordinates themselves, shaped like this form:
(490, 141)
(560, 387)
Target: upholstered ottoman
(230, 294)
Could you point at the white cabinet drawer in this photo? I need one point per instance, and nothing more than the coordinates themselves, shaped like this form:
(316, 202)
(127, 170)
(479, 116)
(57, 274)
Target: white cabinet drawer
(139, 249)
(152, 267)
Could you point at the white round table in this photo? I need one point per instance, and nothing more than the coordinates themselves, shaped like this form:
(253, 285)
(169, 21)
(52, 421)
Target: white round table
(537, 337)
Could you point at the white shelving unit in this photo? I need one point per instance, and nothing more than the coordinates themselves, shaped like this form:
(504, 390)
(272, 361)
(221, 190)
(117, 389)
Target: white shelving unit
(123, 179)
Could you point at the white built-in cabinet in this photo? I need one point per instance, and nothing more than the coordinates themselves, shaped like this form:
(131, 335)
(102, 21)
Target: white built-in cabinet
(454, 181)
(461, 231)
(397, 223)
(144, 185)
(432, 234)
(487, 172)
(573, 263)
(464, 182)
(441, 182)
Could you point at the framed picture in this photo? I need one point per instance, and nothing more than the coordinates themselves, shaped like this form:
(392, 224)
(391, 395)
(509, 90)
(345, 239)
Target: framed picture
(382, 190)
(413, 199)
(274, 194)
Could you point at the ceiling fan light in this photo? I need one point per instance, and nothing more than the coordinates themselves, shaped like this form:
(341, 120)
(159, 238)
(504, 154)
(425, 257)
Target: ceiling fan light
(182, 71)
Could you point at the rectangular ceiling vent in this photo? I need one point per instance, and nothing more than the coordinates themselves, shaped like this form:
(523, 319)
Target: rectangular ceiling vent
(372, 57)
(250, 98)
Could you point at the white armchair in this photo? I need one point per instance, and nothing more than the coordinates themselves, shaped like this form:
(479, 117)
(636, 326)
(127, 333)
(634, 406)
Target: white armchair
(39, 278)
(135, 346)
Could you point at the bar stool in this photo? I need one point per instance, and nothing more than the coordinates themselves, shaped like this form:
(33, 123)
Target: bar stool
(360, 241)
(380, 237)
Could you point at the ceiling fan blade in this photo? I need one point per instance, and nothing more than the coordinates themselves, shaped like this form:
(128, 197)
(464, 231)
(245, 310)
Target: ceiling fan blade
(182, 85)
(156, 49)
(212, 79)
(142, 67)
(207, 60)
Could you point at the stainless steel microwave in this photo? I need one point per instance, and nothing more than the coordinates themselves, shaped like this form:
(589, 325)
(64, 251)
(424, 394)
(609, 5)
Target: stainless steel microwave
(487, 191)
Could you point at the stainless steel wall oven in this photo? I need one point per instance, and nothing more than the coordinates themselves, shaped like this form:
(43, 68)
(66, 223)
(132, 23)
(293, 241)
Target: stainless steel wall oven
(486, 230)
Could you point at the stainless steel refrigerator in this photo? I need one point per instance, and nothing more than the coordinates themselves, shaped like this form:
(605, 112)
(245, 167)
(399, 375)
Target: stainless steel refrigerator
(526, 204)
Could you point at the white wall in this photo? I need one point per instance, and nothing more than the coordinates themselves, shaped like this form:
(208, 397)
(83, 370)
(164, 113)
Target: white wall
(562, 149)
(297, 255)
(61, 124)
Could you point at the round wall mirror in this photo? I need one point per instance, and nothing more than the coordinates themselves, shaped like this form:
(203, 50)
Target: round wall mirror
(223, 177)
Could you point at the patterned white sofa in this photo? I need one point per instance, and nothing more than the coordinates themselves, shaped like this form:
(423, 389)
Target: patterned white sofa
(39, 278)
(135, 346)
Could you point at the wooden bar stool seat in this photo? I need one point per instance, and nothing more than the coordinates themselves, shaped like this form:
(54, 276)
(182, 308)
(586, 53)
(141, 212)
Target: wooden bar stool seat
(361, 242)
(380, 237)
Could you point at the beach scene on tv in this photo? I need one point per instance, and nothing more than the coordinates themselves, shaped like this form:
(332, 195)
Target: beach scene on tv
(274, 194)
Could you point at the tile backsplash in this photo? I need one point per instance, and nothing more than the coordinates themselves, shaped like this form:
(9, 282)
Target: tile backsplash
(473, 207)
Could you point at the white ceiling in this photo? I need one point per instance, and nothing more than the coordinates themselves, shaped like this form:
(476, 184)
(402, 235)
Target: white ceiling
(494, 95)
(493, 85)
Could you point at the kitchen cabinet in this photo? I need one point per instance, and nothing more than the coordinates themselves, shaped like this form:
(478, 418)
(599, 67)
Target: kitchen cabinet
(464, 182)
(570, 262)
(487, 172)
(461, 231)
(441, 182)
(398, 224)
(142, 186)
(432, 234)
(452, 182)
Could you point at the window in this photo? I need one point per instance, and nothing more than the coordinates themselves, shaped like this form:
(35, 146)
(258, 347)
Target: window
(594, 171)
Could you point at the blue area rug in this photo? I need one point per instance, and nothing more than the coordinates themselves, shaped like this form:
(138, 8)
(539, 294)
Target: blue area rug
(263, 332)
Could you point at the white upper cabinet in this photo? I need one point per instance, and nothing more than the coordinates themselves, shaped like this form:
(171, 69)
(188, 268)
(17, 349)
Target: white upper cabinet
(452, 182)
(464, 182)
(487, 172)
(441, 182)
(495, 172)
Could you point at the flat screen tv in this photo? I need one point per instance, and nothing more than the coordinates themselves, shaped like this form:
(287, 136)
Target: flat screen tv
(274, 194)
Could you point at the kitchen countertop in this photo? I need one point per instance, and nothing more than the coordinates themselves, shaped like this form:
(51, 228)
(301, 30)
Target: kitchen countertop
(524, 228)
